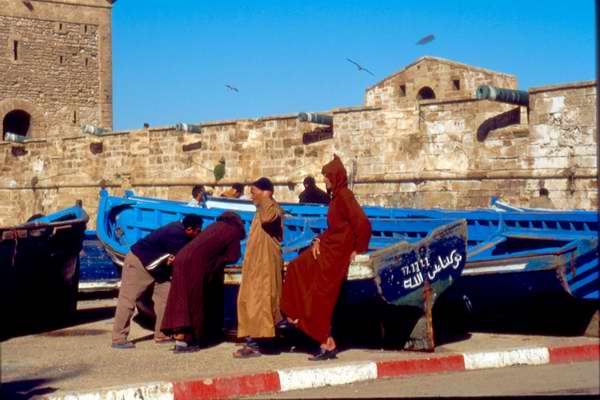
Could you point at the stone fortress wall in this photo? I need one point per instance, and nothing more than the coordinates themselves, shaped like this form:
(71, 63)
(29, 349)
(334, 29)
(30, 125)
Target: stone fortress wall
(421, 139)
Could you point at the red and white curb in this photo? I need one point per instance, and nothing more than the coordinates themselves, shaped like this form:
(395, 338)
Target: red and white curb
(337, 374)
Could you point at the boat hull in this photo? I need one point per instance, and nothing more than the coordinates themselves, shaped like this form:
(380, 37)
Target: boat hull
(98, 272)
(39, 267)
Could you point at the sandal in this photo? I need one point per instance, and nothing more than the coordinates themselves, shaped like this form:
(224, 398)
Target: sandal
(247, 352)
(324, 355)
(181, 346)
(189, 348)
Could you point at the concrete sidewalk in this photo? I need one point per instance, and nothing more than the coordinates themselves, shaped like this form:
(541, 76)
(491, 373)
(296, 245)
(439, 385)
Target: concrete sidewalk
(77, 362)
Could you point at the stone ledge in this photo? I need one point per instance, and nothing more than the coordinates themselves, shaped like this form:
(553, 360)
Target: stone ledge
(344, 110)
(27, 141)
(562, 86)
(434, 102)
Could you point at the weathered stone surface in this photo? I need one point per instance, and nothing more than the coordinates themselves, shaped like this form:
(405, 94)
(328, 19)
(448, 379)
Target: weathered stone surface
(55, 64)
(450, 152)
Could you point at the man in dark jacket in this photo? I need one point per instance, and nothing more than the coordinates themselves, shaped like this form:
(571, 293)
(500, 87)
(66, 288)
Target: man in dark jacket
(312, 194)
(136, 280)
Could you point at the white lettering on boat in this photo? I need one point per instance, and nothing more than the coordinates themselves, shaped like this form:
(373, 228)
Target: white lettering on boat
(413, 273)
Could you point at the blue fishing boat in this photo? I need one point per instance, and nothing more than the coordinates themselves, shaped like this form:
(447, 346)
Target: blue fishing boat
(409, 264)
(97, 270)
(532, 254)
(39, 268)
(505, 239)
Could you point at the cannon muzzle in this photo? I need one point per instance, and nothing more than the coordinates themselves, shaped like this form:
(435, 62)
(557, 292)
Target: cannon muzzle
(316, 118)
(511, 96)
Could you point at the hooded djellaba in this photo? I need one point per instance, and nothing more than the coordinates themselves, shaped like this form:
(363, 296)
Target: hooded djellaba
(194, 311)
(313, 280)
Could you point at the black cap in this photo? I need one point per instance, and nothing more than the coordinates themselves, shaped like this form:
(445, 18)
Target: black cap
(264, 184)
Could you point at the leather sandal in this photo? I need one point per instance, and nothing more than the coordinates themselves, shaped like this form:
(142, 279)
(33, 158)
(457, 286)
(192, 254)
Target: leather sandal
(324, 355)
(189, 348)
(247, 352)
(123, 345)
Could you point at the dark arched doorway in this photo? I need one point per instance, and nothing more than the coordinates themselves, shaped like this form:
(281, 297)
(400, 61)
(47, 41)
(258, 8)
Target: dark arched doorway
(16, 122)
(426, 93)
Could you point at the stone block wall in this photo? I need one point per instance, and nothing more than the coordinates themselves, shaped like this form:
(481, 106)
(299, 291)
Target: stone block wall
(56, 64)
(454, 153)
(449, 80)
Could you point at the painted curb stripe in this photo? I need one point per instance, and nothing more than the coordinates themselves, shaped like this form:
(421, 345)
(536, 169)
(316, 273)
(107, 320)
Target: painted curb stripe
(585, 352)
(424, 366)
(150, 391)
(236, 386)
(533, 356)
(294, 379)
(306, 378)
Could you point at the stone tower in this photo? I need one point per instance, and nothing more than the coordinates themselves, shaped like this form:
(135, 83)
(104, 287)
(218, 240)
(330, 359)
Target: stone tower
(55, 66)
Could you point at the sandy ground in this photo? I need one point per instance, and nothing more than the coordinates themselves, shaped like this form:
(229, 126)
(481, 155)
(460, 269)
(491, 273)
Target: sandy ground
(79, 356)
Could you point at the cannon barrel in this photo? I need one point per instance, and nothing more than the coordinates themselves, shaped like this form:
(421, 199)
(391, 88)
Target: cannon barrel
(316, 118)
(93, 130)
(13, 137)
(183, 127)
(511, 96)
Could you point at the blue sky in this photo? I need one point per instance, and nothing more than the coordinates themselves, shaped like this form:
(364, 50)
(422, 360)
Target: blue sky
(171, 59)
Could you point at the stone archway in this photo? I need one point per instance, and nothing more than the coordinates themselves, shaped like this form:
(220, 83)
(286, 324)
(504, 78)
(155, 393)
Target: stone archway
(426, 93)
(22, 118)
(16, 122)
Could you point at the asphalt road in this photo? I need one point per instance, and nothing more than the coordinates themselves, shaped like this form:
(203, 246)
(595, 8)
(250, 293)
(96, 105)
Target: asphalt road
(581, 379)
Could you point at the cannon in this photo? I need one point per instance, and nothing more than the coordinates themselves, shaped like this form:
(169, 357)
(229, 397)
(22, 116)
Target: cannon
(316, 118)
(511, 96)
(183, 127)
(93, 130)
(13, 137)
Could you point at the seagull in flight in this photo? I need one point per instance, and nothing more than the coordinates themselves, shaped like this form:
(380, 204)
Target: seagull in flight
(426, 39)
(360, 67)
(233, 89)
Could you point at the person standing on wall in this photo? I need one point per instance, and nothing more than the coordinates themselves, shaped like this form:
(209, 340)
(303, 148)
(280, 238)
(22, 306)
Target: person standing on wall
(260, 290)
(136, 280)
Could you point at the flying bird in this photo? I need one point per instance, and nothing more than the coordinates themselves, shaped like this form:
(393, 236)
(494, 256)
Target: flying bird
(219, 170)
(233, 89)
(426, 39)
(360, 67)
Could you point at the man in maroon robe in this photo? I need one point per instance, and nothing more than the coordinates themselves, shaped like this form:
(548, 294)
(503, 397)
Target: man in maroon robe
(194, 311)
(313, 280)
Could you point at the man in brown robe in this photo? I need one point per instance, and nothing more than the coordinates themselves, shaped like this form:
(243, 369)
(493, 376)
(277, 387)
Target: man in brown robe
(313, 280)
(194, 311)
(260, 290)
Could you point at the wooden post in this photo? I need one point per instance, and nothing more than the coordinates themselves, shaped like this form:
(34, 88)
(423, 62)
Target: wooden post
(421, 337)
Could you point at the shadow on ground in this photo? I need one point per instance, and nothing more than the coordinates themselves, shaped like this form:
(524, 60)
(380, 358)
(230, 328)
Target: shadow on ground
(26, 389)
(30, 387)
(47, 327)
(388, 327)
